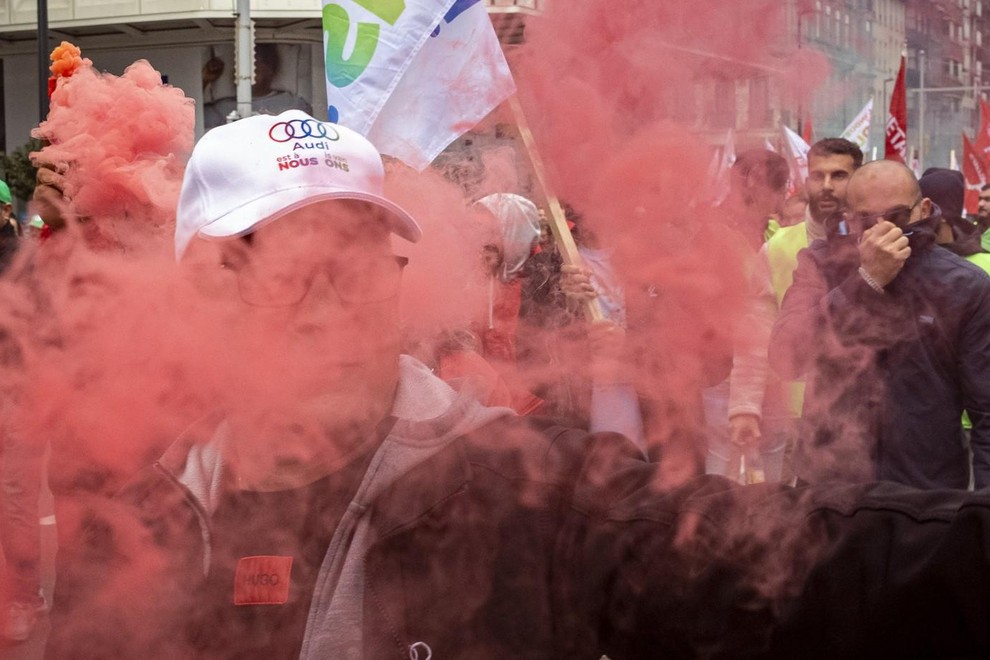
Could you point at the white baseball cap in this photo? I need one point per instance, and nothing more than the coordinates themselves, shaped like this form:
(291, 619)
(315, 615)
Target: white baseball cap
(247, 173)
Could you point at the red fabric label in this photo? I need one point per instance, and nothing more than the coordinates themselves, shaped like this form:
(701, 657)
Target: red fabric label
(262, 580)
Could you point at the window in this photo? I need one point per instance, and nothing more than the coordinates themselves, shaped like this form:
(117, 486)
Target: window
(759, 103)
(724, 111)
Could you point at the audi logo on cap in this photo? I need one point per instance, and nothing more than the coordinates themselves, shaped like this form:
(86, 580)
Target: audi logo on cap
(299, 129)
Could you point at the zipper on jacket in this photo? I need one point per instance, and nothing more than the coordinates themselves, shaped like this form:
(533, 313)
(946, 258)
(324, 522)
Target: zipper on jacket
(204, 523)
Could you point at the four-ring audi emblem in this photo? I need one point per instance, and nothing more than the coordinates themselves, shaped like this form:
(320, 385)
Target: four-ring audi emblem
(299, 129)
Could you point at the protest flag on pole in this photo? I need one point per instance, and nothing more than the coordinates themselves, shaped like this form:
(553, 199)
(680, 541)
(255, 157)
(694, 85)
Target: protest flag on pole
(420, 73)
(558, 223)
(808, 131)
(858, 130)
(982, 142)
(896, 137)
(796, 153)
(368, 46)
(718, 169)
(457, 78)
(975, 173)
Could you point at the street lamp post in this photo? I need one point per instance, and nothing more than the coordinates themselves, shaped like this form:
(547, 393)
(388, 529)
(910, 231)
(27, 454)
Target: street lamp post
(801, 13)
(800, 118)
(42, 59)
(921, 110)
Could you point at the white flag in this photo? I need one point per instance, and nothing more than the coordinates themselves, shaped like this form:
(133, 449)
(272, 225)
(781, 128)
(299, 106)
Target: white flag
(796, 152)
(719, 167)
(368, 46)
(858, 130)
(458, 77)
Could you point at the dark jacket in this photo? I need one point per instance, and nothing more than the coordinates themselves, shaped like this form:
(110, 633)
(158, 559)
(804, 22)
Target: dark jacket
(523, 540)
(9, 241)
(889, 374)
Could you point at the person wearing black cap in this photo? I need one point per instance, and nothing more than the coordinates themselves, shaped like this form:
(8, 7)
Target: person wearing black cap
(947, 190)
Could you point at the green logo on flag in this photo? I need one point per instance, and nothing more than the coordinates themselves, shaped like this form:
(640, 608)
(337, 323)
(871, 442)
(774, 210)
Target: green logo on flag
(337, 25)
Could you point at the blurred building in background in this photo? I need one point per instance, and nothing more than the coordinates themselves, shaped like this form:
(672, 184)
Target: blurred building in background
(946, 42)
(947, 55)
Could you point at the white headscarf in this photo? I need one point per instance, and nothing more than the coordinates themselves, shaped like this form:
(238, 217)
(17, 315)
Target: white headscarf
(519, 225)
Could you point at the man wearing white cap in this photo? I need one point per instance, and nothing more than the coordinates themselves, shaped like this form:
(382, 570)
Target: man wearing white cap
(371, 512)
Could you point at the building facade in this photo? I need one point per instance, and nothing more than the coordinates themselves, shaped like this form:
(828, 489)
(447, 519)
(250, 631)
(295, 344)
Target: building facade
(843, 31)
(946, 60)
(862, 41)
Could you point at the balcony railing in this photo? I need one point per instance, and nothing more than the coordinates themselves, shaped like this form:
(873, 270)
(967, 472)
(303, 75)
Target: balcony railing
(22, 14)
(496, 6)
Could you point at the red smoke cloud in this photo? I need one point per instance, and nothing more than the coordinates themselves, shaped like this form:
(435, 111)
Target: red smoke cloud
(122, 356)
(122, 143)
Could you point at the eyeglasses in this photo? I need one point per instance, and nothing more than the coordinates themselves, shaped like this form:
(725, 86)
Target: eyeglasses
(284, 282)
(897, 215)
(844, 223)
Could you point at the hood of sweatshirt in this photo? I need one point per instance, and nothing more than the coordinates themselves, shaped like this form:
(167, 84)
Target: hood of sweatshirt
(429, 415)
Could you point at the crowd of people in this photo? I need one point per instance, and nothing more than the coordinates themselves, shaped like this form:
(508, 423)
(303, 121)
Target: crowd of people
(533, 484)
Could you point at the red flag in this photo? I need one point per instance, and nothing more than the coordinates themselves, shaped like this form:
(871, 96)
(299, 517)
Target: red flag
(896, 143)
(808, 131)
(982, 142)
(975, 173)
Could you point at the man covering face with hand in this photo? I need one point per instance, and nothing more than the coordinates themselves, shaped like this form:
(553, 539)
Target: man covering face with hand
(900, 331)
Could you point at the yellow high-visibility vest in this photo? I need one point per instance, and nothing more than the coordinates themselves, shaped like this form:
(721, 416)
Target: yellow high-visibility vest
(782, 251)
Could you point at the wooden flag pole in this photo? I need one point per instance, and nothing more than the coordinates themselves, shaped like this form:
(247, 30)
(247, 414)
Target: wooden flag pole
(558, 222)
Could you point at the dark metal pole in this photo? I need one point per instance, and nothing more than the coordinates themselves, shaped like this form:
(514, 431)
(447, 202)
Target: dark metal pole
(43, 59)
(800, 44)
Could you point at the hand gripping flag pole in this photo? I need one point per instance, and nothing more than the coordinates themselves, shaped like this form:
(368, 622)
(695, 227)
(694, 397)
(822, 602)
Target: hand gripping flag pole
(558, 223)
